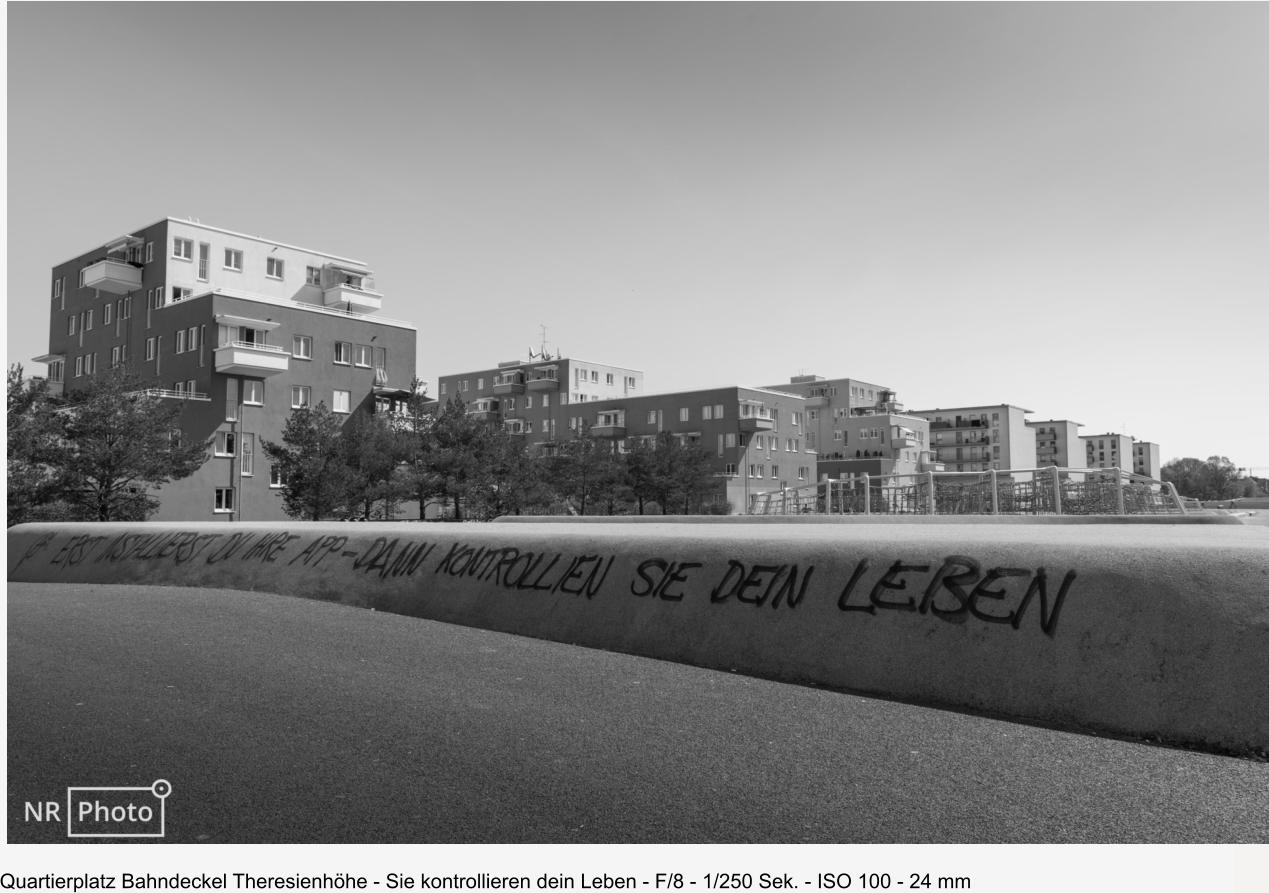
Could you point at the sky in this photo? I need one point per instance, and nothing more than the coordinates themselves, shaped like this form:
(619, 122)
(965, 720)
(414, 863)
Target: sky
(1064, 207)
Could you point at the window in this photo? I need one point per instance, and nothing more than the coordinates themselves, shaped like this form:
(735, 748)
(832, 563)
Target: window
(301, 396)
(730, 469)
(343, 352)
(253, 393)
(70, 324)
(79, 366)
(594, 375)
(685, 414)
(707, 413)
(381, 357)
(225, 440)
(191, 340)
(630, 382)
(189, 387)
(276, 479)
(480, 384)
(609, 378)
(149, 252)
(106, 312)
(180, 341)
(88, 321)
(224, 500)
(443, 384)
(302, 347)
(114, 357)
(56, 370)
(758, 442)
(718, 410)
(342, 401)
(528, 404)
(363, 355)
(57, 289)
(183, 248)
(312, 275)
(204, 258)
(730, 440)
(273, 267)
(247, 466)
(546, 401)
(233, 259)
(149, 348)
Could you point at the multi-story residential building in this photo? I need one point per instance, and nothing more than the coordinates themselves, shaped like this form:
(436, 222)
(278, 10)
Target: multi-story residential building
(1145, 459)
(1057, 443)
(756, 435)
(1107, 450)
(533, 398)
(241, 330)
(858, 427)
(980, 438)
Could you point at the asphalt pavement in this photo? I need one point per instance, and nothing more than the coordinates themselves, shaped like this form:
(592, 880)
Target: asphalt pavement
(279, 719)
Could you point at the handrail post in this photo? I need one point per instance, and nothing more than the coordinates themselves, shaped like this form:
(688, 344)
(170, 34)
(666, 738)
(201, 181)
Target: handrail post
(867, 495)
(1119, 490)
(1176, 497)
(1057, 492)
(995, 494)
(929, 480)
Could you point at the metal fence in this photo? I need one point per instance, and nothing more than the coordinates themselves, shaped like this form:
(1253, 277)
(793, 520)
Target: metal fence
(1028, 491)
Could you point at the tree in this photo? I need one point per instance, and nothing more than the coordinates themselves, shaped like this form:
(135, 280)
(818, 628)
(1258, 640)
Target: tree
(117, 442)
(513, 483)
(680, 473)
(1217, 478)
(35, 452)
(450, 456)
(316, 478)
(374, 449)
(586, 469)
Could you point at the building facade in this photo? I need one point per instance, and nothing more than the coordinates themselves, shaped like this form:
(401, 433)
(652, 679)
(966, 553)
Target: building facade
(1108, 451)
(1057, 443)
(756, 436)
(534, 398)
(980, 438)
(241, 330)
(1145, 459)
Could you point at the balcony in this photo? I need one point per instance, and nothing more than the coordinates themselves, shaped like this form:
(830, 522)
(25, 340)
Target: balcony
(816, 401)
(616, 432)
(169, 394)
(752, 424)
(508, 385)
(250, 358)
(485, 411)
(357, 298)
(115, 276)
(543, 383)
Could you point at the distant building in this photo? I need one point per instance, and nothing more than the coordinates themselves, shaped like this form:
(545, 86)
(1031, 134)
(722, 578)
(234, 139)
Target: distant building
(757, 436)
(1145, 459)
(534, 398)
(241, 330)
(858, 427)
(1108, 451)
(1057, 443)
(980, 438)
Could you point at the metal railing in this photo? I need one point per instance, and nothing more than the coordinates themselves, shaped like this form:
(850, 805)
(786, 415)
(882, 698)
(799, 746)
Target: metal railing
(256, 345)
(1026, 491)
(168, 393)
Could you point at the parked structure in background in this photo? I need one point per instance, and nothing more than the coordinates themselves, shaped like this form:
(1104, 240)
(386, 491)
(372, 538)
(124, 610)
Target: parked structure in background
(1057, 443)
(981, 438)
(238, 328)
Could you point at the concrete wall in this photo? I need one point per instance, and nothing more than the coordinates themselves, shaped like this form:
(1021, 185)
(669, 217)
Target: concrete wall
(1157, 631)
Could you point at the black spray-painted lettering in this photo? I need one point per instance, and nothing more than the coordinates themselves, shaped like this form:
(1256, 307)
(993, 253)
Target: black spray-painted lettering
(959, 589)
(318, 550)
(657, 578)
(781, 584)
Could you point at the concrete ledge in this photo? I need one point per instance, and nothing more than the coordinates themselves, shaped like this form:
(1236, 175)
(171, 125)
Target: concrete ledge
(1158, 631)
(1205, 518)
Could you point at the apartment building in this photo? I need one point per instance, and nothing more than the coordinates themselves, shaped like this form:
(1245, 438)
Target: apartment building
(859, 427)
(757, 436)
(1145, 459)
(241, 330)
(980, 438)
(1057, 443)
(533, 398)
(1108, 451)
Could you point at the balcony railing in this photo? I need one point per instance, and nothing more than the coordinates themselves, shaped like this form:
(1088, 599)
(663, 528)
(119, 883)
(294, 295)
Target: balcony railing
(115, 276)
(169, 394)
(250, 358)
